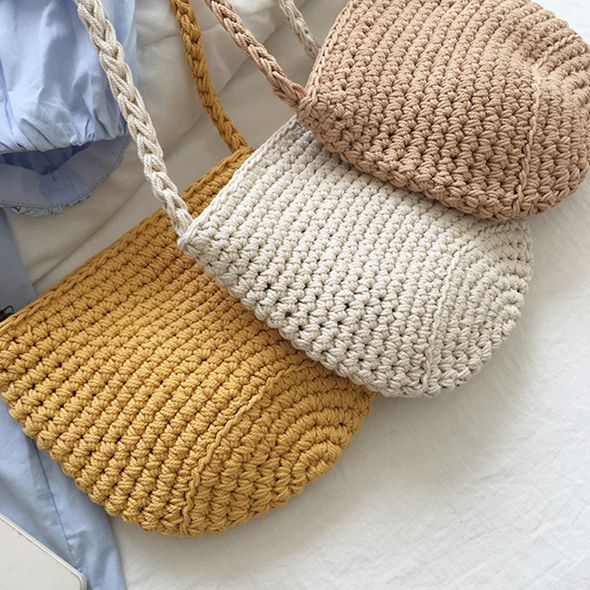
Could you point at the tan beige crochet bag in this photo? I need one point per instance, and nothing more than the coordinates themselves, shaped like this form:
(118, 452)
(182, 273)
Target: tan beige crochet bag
(483, 105)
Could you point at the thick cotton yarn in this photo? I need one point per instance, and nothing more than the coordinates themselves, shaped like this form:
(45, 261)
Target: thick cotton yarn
(299, 26)
(166, 400)
(194, 52)
(385, 287)
(483, 105)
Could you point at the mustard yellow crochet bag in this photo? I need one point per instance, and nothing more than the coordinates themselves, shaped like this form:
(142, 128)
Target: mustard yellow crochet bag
(159, 394)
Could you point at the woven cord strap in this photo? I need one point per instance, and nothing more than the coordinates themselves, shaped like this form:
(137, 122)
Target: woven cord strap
(299, 26)
(195, 54)
(287, 90)
(141, 128)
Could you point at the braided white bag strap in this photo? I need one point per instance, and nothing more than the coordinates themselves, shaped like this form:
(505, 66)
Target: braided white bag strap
(299, 26)
(141, 128)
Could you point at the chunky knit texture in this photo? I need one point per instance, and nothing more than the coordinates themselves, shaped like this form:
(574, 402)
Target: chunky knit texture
(161, 396)
(387, 288)
(483, 105)
(299, 26)
(164, 399)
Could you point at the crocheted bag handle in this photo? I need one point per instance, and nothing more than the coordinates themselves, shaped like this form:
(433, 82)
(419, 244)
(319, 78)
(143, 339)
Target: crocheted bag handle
(192, 40)
(299, 26)
(287, 90)
(112, 60)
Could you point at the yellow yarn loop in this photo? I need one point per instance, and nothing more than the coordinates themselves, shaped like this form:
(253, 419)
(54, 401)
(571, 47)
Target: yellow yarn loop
(190, 33)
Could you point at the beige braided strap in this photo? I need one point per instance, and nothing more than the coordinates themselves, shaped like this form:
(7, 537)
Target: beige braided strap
(141, 128)
(190, 33)
(287, 90)
(299, 26)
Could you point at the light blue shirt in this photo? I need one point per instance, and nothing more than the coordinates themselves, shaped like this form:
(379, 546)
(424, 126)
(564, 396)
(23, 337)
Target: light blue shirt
(61, 132)
(36, 495)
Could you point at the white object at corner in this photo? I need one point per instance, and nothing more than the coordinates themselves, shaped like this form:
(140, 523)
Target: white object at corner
(26, 564)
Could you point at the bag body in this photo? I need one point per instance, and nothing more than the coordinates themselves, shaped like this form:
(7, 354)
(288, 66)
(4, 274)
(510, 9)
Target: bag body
(385, 287)
(483, 105)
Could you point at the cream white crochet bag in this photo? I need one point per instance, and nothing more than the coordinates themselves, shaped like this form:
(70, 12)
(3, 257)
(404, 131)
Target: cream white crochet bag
(384, 286)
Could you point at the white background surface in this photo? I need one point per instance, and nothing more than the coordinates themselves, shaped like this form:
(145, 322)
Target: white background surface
(484, 487)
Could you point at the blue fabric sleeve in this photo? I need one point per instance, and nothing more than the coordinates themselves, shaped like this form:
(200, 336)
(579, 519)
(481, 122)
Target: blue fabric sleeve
(61, 132)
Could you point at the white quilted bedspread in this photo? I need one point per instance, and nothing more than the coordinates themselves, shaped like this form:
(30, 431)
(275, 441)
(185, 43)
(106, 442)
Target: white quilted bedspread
(484, 487)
